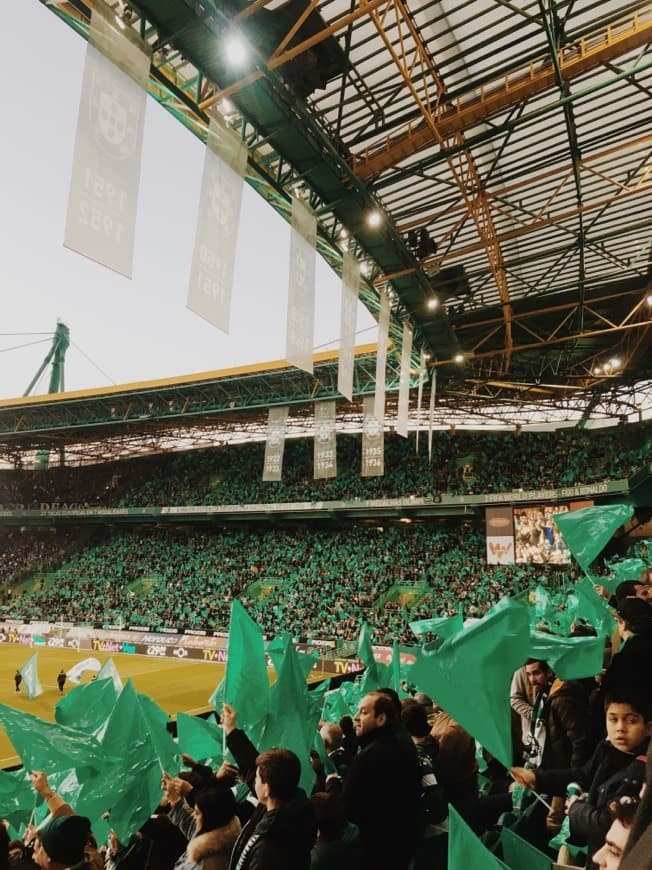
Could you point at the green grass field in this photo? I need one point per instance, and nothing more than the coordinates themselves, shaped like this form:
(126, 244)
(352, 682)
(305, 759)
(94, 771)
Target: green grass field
(175, 686)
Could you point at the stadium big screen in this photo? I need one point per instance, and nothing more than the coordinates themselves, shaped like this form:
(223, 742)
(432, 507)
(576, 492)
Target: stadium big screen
(527, 534)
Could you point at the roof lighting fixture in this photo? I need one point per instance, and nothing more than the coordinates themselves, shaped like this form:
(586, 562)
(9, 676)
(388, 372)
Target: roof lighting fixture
(432, 304)
(615, 363)
(344, 233)
(365, 268)
(235, 50)
(459, 358)
(374, 219)
(648, 300)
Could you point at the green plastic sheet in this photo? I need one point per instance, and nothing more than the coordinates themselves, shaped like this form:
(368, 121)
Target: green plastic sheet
(470, 675)
(589, 530)
(521, 855)
(571, 658)
(465, 849)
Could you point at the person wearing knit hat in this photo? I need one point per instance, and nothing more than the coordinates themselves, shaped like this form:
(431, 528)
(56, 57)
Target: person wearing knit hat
(60, 844)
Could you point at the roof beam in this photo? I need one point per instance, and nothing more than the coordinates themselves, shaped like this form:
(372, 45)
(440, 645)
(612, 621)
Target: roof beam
(451, 117)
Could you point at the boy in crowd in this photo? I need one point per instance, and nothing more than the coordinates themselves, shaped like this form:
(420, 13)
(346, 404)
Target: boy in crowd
(616, 767)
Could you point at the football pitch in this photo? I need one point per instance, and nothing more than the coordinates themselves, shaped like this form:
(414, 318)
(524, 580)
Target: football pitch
(176, 686)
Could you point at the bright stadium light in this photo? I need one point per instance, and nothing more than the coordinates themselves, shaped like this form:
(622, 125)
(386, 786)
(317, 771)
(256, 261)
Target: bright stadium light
(235, 50)
(374, 219)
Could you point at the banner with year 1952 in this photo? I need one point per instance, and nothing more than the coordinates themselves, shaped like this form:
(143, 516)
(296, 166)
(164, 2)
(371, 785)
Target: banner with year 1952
(101, 218)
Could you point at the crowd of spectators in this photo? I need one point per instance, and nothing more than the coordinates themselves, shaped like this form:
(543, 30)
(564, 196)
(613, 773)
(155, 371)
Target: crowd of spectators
(318, 582)
(461, 463)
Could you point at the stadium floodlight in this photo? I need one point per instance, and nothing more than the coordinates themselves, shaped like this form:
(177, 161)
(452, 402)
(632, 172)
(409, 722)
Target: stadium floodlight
(374, 219)
(235, 50)
(432, 304)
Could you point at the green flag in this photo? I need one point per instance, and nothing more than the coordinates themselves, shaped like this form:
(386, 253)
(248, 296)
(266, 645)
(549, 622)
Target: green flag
(16, 794)
(588, 530)
(585, 603)
(571, 658)
(161, 740)
(109, 670)
(376, 674)
(290, 724)
(87, 707)
(48, 746)
(275, 650)
(470, 675)
(246, 681)
(465, 849)
(335, 705)
(129, 782)
(443, 626)
(624, 569)
(200, 738)
(136, 799)
(30, 677)
(521, 855)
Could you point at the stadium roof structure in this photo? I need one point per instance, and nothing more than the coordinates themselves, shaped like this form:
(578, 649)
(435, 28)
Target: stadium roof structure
(503, 149)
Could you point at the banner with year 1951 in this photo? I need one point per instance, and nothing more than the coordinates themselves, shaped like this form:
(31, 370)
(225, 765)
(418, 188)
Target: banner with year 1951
(101, 218)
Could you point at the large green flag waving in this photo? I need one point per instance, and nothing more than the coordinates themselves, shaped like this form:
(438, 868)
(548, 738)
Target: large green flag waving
(588, 530)
(109, 670)
(87, 707)
(291, 723)
(470, 675)
(30, 677)
(246, 681)
(442, 626)
(376, 674)
(200, 738)
(585, 604)
(48, 746)
(571, 658)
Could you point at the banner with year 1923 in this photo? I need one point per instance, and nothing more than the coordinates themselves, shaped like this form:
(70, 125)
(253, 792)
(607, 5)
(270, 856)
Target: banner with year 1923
(325, 450)
(101, 218)
(373, 441)
(275, 444)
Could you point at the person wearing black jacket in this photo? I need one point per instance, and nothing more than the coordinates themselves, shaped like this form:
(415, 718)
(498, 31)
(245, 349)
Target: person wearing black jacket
(282, 830)
(616, 767)
(381, 791)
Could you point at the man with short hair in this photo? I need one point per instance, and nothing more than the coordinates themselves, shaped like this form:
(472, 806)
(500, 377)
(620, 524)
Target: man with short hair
(332, 736)
(282, 830)
(382, 788)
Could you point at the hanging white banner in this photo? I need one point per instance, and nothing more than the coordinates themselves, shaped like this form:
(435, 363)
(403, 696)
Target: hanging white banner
(431, 412)
(301, 293)
(373, 441)
(325, 449)
(381, 358)
(275, 444)
(348, 323)
(422, 375)
(101, 219)
(211, 274)
(404, 382)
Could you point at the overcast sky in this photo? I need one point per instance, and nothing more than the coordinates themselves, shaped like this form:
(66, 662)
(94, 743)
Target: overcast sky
(123, 330)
